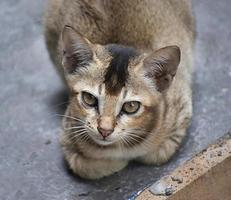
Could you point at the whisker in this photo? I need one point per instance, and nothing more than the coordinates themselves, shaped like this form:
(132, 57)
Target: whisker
(74, 127)
(78, 131)
(85, 138)
(120, 144)
(79, 135)
(134, 137)
(60, 104)
(70, 117)
(89, 128)
(137, 131)
(128, 142)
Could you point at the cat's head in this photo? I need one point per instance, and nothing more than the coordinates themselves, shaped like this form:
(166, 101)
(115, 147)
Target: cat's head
(116, 91)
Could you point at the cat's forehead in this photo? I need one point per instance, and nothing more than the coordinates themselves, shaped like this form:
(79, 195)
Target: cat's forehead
(111, 71)
(116, 74)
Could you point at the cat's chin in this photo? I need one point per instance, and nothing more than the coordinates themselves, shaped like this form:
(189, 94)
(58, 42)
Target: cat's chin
(103, 142)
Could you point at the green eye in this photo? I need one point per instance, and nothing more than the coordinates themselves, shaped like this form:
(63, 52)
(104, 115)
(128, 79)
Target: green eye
(131, 107)
(89, 99)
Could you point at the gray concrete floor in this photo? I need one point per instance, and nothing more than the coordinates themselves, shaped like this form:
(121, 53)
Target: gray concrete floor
(31, 162)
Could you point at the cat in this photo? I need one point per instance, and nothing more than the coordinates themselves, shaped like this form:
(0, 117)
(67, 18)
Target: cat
(127, 65)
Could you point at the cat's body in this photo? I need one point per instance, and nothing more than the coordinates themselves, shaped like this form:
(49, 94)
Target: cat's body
(164, 106)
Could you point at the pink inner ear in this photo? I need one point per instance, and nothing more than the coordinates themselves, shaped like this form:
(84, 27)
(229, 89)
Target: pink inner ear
(76, 50)
(161, 66)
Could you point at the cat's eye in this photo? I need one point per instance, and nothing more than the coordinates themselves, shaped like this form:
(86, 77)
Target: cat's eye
(131, 107)
(89, 99)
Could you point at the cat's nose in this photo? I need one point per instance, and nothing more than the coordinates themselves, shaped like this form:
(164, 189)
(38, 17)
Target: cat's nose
(105, 132)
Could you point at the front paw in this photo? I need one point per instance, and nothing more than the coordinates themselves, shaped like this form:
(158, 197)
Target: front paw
(163, 153)
(94, 168)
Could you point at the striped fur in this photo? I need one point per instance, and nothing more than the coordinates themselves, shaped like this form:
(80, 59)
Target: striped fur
(121, 51)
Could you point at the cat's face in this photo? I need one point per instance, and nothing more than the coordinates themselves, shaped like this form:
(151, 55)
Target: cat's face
(112, 118)
(116, 92)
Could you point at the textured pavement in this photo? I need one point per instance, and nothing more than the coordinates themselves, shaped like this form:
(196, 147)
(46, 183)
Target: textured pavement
(31, 94)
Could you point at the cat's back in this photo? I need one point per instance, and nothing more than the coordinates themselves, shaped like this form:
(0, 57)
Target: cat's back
(149, 22)
(130, 22)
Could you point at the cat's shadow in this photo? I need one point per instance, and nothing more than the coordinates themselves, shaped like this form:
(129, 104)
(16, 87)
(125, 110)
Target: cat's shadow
(113, 180)
(59, 101)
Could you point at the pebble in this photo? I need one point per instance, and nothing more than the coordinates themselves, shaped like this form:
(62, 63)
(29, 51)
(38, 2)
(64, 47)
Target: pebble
(219, 153)
(161, 188)
(168, 191)
(177, 179)
(48, 142)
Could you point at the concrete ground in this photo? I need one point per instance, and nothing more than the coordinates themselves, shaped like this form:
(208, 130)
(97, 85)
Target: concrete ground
(31, 94)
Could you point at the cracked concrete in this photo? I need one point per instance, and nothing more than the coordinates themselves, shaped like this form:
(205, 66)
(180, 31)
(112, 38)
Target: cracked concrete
(31, 162)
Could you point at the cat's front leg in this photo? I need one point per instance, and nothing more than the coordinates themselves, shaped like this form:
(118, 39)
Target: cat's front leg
(93, 168)
(165, 151)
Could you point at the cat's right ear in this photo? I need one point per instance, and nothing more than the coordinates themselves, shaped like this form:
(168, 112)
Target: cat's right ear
(76, 50)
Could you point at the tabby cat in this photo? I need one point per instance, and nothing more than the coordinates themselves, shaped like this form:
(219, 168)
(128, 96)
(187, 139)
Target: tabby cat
(127, 65)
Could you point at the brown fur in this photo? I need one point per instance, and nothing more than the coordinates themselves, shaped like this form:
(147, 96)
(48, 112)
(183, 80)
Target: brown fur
(154, 77)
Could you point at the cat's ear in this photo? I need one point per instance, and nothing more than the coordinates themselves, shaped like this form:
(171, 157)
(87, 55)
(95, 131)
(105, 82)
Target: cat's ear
(76, 50)
(161, 66)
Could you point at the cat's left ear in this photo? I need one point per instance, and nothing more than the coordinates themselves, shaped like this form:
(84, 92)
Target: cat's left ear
(76, 50)
(161, 66)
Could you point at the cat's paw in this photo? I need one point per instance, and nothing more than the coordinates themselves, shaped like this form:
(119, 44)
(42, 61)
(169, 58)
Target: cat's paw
(164, 152)
(94, 168)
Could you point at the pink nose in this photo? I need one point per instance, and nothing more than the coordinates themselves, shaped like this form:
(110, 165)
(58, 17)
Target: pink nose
(105, 133)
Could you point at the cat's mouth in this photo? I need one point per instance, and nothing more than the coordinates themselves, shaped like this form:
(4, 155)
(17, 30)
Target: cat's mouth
(103, 141)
